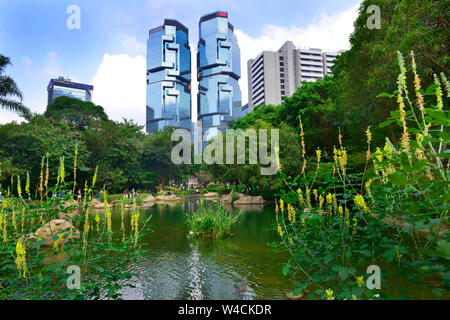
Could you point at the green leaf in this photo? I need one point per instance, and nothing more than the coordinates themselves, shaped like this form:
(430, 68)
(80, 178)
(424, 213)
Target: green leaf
(386, 123)
(385, 95)
(285, 270)
(343, 274)
(398, 178)
(297, 292)
(431, 90)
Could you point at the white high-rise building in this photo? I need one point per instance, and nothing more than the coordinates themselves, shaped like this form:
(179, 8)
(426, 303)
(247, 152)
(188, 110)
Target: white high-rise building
(272, 76)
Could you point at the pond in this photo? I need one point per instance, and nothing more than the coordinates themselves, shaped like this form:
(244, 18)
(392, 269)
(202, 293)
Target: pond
(240, 267)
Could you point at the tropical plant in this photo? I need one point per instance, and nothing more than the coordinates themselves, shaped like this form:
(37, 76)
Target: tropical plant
(394, 214)
(9, 89)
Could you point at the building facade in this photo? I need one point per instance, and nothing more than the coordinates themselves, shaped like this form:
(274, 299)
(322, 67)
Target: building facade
(275, 75)
(219, 69)
(65, 87)
(168, 77)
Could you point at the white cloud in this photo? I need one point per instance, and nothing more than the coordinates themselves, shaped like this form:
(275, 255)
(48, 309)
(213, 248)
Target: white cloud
(119, 87)
(328, 32)
(131, 45)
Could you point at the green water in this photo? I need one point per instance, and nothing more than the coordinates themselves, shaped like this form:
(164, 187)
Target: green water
(240, 267)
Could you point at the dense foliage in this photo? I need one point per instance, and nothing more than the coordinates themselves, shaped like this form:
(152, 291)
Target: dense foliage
(394, 216)
(44, 242)
(126, 156)
(211, 220)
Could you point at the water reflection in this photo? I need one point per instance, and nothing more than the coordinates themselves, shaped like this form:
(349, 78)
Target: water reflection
(240, 267)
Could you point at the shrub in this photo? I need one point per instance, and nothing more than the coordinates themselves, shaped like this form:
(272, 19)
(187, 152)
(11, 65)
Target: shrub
(213, 220)
(394, 215)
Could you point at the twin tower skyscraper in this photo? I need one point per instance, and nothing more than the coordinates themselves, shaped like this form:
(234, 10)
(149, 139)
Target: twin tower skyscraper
(169, 75)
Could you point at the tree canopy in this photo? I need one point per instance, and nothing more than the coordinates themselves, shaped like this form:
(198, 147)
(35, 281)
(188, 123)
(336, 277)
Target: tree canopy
(74, 111)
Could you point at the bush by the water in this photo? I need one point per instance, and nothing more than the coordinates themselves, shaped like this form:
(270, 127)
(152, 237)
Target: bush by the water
(211, 220)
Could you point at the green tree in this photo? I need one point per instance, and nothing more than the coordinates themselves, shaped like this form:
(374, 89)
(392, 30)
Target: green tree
(9, 89)
(76, 112)
(370, 66)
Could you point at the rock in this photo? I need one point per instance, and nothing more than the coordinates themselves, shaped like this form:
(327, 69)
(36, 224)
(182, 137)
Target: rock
(228, 198)
(149, 198)
(59, 228)
(257, 200)
(249, 200)
(172, 197)
(211, 195)
(290, 296)
(96, 204)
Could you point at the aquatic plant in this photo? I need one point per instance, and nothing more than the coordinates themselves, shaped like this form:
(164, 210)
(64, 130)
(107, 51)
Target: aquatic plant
(211, 220)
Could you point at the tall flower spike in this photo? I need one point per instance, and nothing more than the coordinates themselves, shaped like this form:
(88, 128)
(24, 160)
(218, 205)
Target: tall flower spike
(94, 178)
(27, 186)
(446, 84)
(439, 94)
(19, 187)
(417, 86)
(21, 260)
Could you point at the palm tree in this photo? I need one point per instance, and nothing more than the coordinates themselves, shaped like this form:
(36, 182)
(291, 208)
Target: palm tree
(8, 89)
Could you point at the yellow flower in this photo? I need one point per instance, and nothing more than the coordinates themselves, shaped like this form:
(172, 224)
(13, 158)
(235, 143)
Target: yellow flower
(27, 185)
(280, 230)
(291, 241)
(318, 154)
(291, 213)
(329, 293)
(398, 254)
(94, 178)
(19, 187)
(21, 260)
(368, 135)
(282, 205)
(321, 200)
(300, 195)
(378, 155)
(315, 194)
(329, 198)
(360, 202)
(340, 210)
(360, 280)
(277, 155)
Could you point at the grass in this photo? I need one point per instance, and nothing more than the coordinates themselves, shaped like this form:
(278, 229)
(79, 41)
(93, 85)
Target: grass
(211, 221)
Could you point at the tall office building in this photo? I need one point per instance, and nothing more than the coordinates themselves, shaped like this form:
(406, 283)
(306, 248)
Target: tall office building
(168, 77)
(219, 69)
(274, 75)
(65, 87)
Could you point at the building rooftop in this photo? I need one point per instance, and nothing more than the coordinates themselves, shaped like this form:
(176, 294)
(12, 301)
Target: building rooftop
(68, 82)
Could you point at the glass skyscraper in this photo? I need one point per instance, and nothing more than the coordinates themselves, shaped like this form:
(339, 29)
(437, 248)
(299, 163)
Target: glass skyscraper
(168, 77)
(219, 69)
(65, 87)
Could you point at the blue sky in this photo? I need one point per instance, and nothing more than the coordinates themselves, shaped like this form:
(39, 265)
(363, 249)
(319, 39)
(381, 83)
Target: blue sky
(109, 48)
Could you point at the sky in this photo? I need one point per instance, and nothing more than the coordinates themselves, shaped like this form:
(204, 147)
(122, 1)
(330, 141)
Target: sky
(109, 49)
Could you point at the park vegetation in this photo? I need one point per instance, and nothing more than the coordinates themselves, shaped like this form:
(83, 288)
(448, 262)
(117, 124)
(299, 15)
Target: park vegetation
(211, 220)
(363, 166)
